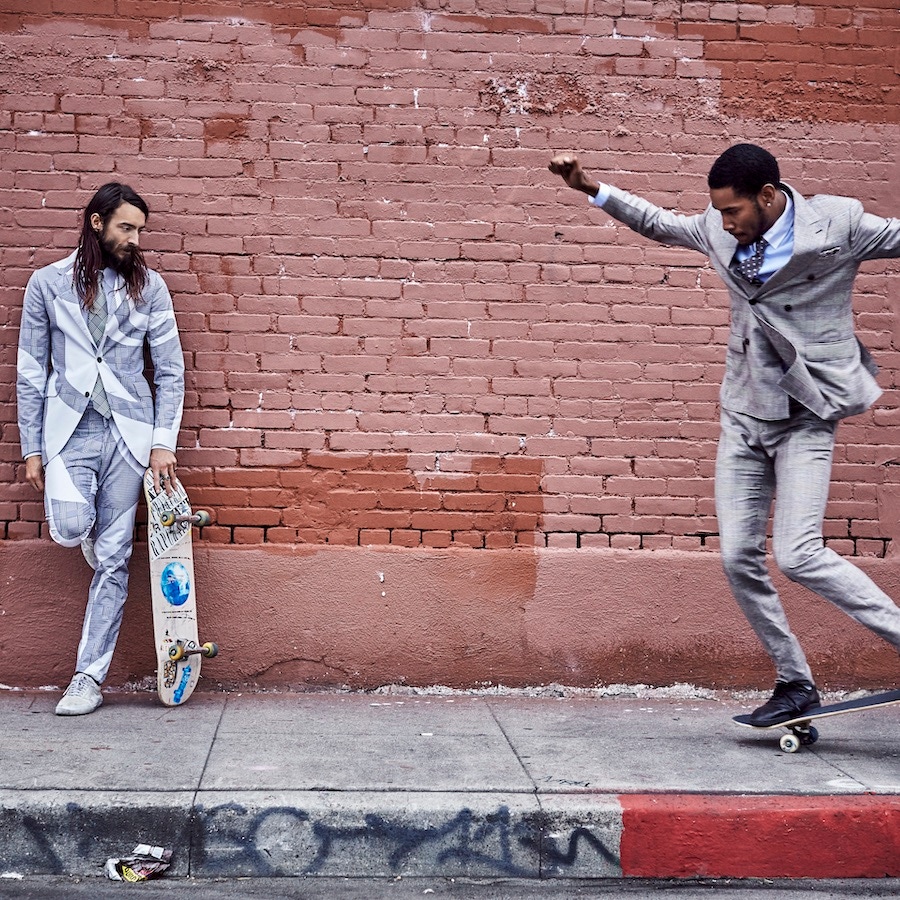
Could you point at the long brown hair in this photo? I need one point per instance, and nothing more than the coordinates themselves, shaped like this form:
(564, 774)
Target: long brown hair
(89, 257)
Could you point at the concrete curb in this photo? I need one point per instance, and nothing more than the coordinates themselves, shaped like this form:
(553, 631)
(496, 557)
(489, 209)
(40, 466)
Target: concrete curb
(370, 834)
(772, 836)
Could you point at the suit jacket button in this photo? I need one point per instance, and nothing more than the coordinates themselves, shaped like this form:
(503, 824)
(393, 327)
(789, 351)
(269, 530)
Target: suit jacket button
(746, 342)
(87, 393)
(753, 302)
(810, 277)
(100, 358)
(788, 307)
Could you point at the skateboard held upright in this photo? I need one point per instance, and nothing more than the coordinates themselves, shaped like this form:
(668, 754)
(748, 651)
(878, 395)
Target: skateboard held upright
(172, 590)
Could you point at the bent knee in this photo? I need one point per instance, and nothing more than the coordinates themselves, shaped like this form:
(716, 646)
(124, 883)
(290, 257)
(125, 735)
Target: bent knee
(69, 528)
(741, 559)
(67, 540)
(793, 561)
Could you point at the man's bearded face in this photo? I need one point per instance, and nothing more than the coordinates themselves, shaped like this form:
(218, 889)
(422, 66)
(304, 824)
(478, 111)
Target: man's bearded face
(120, 238)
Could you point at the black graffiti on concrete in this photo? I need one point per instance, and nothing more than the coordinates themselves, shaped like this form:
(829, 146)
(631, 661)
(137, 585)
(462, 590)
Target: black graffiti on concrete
(553, 860)
(77, 839)
(38, 850)
(229, 838)
(224, 841)
(466, 836)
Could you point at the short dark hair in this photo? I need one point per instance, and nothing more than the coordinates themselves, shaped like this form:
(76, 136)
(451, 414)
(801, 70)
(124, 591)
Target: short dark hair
(746, 169)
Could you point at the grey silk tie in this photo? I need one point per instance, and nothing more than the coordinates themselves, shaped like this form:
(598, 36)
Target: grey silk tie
(97, 316)
(749, 268)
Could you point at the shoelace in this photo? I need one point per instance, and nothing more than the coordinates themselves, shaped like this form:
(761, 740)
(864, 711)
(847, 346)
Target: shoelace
(80, 687)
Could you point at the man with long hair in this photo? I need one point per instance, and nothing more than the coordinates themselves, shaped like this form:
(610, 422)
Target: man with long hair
(793, 369)
(88, 422)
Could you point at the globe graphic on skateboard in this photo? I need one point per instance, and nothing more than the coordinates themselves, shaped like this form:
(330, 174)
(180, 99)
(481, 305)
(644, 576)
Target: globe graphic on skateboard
(175, 583)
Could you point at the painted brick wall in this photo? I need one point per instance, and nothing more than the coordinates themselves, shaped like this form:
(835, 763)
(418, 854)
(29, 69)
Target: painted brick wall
(399, 328)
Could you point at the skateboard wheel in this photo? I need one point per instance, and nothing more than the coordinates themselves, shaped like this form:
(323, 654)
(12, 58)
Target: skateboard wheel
(167, 519)
(809, 737)
(176, 652)
(203, 518)
(210, 649)
(790, 743)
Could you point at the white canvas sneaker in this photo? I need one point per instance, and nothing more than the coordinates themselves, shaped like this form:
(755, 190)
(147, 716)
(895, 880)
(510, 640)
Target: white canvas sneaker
(82, 696)
(87, 548)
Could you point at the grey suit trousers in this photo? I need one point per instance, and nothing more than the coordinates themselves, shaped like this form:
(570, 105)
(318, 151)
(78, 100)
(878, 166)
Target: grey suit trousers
(93, 488)
(790, 460)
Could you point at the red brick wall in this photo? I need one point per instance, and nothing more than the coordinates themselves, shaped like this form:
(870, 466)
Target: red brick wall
(399, 328)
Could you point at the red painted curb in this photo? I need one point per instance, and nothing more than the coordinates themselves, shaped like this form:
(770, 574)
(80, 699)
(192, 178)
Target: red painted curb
(688, 835)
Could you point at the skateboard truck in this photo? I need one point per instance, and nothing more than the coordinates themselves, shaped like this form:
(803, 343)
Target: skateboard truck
(178, 651)
(201, 518)
(799, 736)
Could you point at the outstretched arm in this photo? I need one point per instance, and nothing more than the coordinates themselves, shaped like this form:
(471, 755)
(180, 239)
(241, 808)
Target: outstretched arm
(638, 214)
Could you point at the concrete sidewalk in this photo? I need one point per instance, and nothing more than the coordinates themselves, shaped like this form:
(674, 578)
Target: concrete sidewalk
(643, 783)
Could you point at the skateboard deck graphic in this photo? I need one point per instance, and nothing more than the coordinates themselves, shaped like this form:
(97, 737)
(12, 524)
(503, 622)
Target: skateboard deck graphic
(173, 593)
(800, 730)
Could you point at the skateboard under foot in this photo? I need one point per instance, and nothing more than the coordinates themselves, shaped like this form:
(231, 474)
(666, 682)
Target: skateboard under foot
(801, 731)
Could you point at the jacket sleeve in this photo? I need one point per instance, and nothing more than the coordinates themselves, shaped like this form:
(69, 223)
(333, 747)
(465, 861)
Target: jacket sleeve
(168, 366)
(32, 367)
(872, 237)
(656, 223)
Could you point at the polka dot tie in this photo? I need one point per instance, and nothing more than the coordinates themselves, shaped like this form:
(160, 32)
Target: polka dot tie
(749, 268)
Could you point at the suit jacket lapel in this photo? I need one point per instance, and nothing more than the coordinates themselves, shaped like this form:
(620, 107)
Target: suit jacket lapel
(69, 300)
(809, 235)
(722, 248)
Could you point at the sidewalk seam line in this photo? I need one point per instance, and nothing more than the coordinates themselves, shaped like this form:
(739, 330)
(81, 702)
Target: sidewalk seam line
(193, 813)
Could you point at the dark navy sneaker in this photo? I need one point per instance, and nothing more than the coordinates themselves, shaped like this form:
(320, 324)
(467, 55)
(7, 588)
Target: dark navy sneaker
(790, 700)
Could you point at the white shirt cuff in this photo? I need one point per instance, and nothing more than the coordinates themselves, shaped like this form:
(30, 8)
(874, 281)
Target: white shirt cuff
(602, 195)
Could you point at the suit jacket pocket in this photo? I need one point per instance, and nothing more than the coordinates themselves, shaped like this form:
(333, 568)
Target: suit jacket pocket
(845, 384)
(832, 350)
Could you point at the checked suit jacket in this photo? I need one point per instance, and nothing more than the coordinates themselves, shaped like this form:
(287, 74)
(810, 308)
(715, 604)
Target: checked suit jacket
(792, 336)
(58, 364)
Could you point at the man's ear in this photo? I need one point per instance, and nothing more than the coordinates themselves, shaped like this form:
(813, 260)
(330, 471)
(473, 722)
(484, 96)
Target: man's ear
(96, 222)
(768, 194)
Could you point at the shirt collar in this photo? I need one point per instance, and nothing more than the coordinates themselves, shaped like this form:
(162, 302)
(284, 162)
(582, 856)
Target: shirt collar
(783, 229)
(111, 280)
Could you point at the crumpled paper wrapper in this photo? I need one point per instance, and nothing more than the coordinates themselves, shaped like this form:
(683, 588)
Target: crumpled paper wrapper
(145, 862)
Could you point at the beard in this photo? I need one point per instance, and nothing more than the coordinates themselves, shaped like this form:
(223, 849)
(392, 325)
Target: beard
(125, 259)
(128, 262)
(760, 227)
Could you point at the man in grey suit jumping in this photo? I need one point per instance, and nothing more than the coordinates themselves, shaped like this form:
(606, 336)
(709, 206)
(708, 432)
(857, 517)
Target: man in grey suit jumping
(794, 368)
(88, 422)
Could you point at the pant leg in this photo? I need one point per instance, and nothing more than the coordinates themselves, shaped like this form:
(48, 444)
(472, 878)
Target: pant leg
(70, 483)
(803, 475)
(93, 486)
(745, 483)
